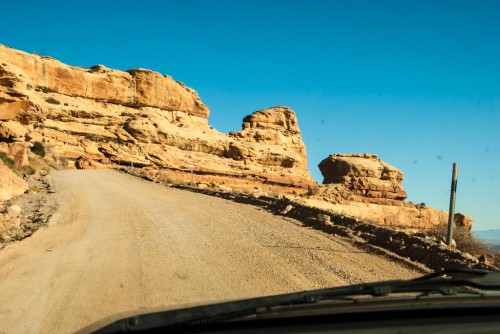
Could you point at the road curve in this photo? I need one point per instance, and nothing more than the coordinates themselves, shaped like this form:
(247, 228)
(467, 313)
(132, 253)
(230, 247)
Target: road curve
(117, 243)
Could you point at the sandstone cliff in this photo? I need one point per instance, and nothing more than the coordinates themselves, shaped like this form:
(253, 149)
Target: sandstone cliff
(98, 117)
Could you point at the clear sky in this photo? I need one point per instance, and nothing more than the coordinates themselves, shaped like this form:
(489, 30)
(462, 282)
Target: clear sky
(417, 82)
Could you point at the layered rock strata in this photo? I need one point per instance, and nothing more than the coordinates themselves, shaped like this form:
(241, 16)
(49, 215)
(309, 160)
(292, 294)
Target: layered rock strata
(98, 117)
(365, 187)
(365, 176)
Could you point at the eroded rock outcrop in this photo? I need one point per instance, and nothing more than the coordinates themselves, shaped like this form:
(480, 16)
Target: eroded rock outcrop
(367, 188)
(365, 176)
(95, 117)
(135, 88)
(277, 128)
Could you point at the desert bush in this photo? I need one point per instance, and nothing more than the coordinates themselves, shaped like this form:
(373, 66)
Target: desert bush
(27, 170)
(51, 100)
(192, 184)
(466, 242)
(496, 259)
(35, 189)
(38, 149)
(9, 162)
(38, 163)
(312, 191)
(165, 178)
(63, 161)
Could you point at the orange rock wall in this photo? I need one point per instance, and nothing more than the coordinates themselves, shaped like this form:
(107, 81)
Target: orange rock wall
(137, 87)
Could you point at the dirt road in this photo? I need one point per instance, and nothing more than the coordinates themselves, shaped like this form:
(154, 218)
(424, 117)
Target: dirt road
(117, 243)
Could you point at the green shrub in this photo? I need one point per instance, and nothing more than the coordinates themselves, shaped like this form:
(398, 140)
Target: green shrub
(38, 149)
(51, 100)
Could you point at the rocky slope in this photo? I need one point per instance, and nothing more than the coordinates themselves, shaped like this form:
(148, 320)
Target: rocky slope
(97, 117)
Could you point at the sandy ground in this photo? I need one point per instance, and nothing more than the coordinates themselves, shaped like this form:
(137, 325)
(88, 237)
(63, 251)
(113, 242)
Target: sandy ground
(117, 243)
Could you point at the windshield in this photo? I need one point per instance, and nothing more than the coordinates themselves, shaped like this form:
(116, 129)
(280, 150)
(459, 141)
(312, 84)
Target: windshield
(164, 154)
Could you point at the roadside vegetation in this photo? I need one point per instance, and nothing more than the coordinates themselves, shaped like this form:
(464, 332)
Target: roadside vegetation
(35, 158)
(466, 242)
(7, 161)
(495, 259)
(464, 239)
(38, 149)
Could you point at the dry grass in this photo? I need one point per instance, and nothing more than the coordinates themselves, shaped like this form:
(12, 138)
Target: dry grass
(36, 163)
(7, 161)
(496, 259)
(466, 242)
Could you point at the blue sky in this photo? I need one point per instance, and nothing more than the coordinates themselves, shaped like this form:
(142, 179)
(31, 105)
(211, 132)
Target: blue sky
(417, 82)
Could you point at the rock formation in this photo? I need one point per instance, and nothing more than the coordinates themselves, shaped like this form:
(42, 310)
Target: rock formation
(11, 185)
(365, 176)
(367, 188)
(98, 117)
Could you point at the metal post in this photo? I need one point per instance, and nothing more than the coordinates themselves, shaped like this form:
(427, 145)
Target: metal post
(192, 176)
(132, 158)
(452, 203)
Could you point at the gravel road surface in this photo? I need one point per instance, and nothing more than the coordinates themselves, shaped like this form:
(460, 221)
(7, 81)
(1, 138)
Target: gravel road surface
(117, 243)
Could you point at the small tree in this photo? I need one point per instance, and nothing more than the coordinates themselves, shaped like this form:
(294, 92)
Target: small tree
(38, 149)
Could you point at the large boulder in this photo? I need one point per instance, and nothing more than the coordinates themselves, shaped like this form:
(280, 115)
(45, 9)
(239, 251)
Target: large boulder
(279, 118)
(11, 185)
(364, 175)
(13, 131)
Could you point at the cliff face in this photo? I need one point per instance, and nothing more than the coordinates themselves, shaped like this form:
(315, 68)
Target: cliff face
(26, 73)
(97, 117)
